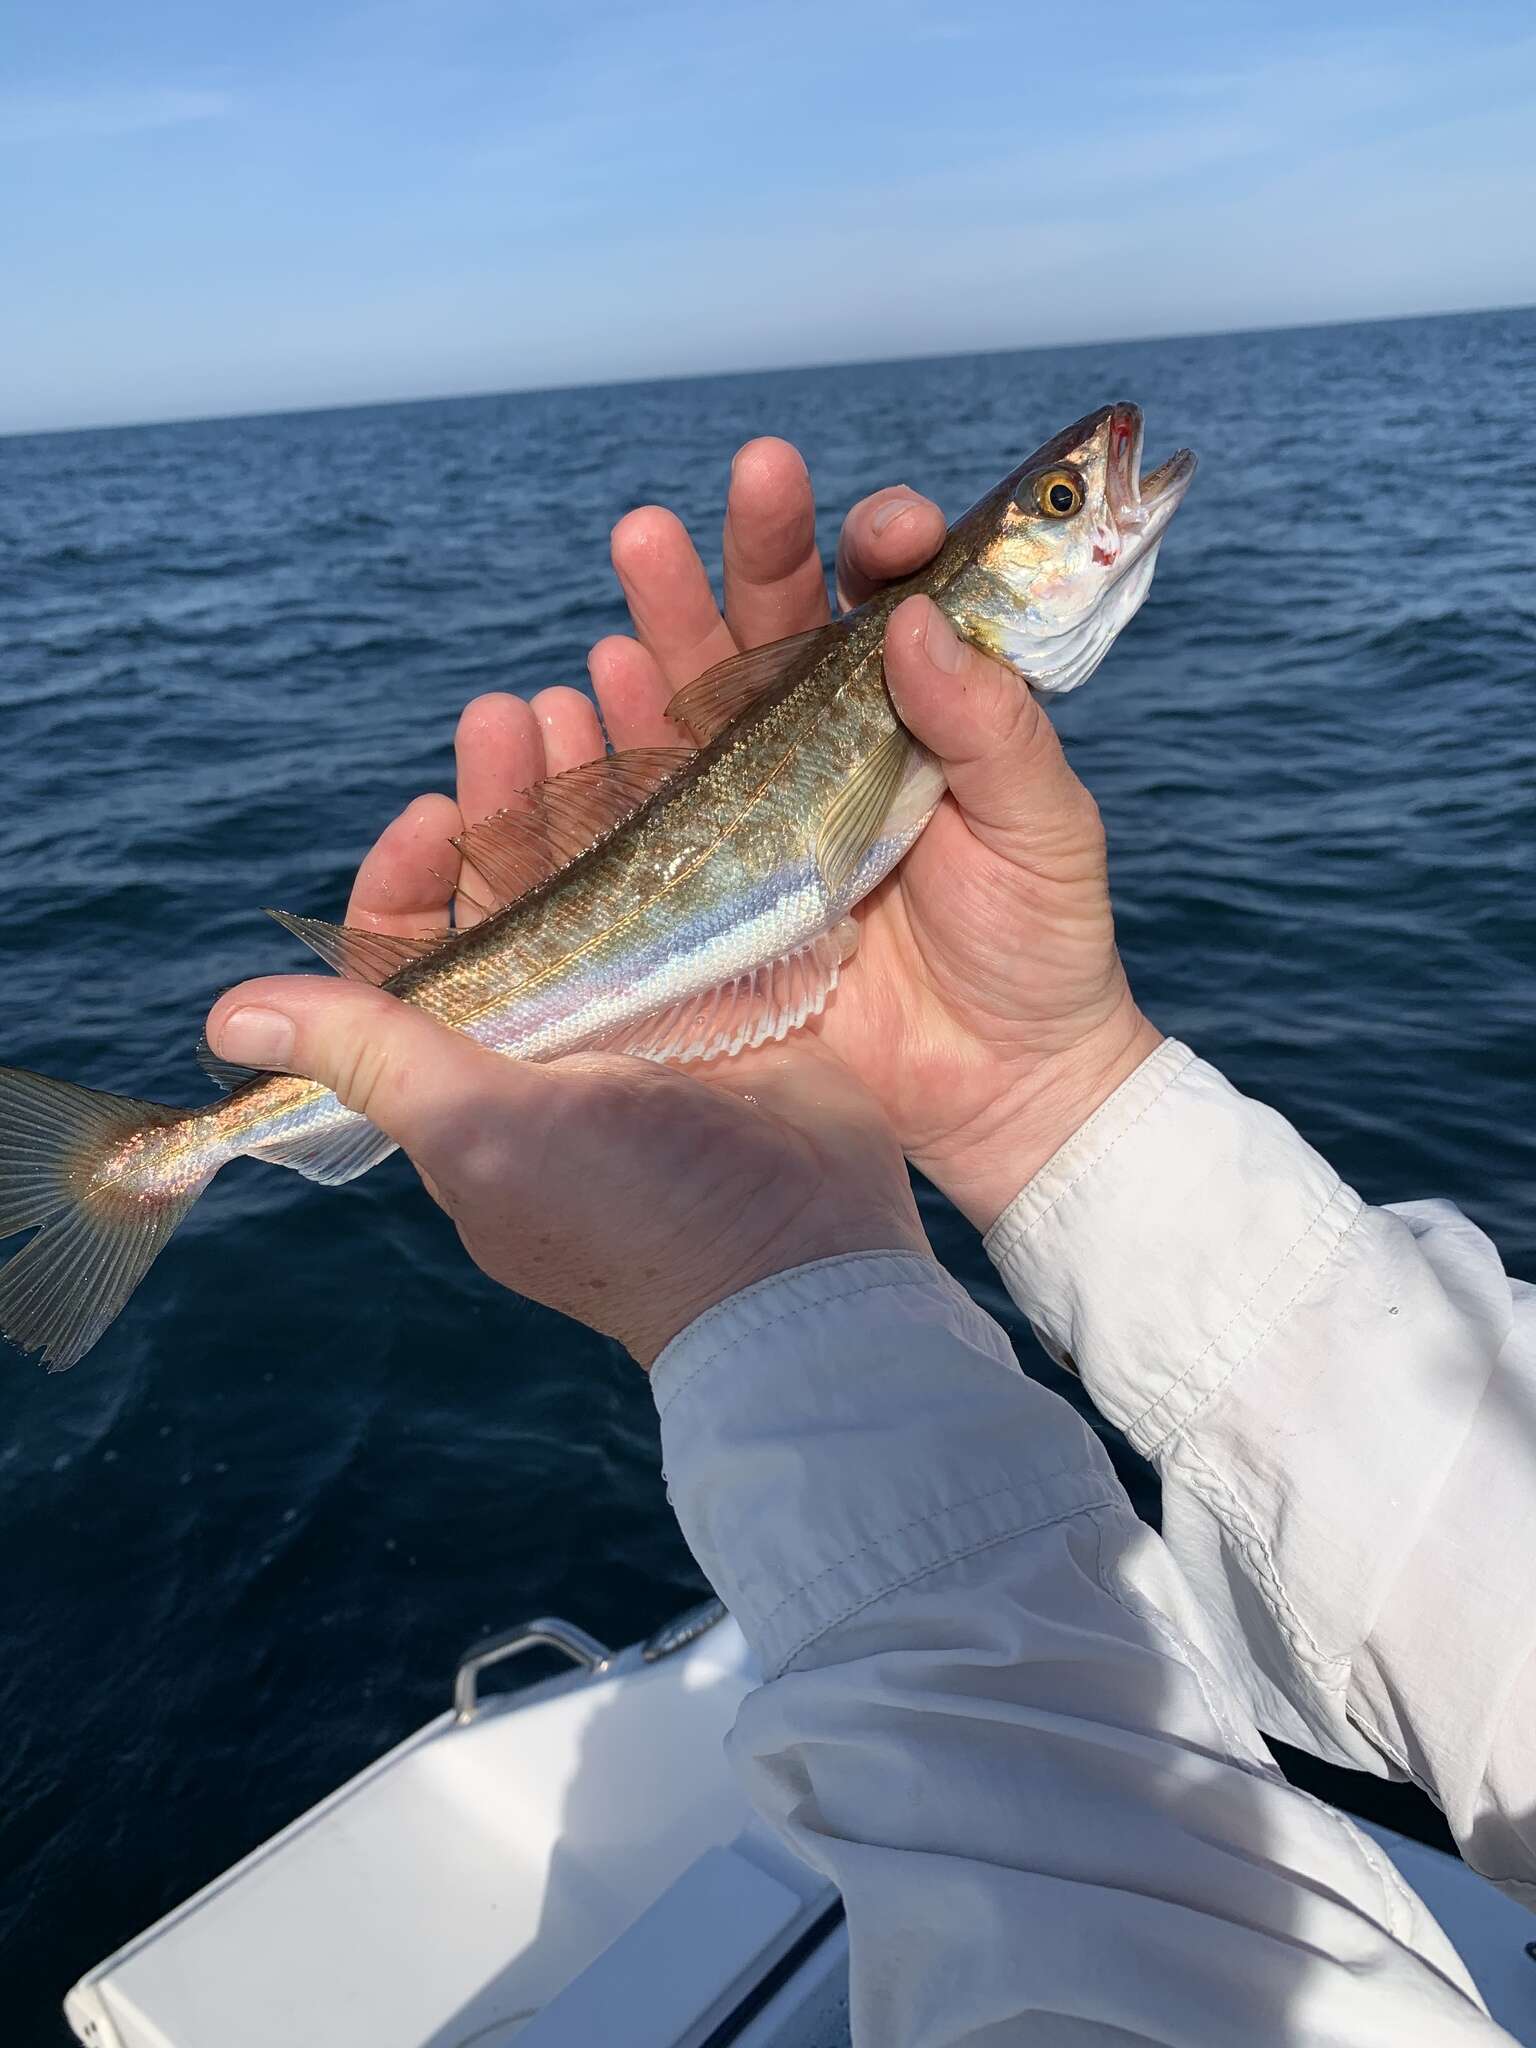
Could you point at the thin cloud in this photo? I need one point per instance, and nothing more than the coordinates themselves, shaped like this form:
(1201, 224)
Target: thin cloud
(30, 117)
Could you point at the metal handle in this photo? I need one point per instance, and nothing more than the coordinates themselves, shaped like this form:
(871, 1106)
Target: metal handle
(574, 1642)
(684, 1629)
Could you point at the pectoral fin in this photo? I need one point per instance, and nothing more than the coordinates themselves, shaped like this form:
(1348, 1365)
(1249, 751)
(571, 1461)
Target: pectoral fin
(858, 810)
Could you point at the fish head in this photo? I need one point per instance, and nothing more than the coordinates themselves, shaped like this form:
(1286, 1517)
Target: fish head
(1059, 557)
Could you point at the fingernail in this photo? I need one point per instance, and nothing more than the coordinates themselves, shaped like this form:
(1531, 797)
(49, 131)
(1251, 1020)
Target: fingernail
(942, 644)
(888, 513)
(255, 1038)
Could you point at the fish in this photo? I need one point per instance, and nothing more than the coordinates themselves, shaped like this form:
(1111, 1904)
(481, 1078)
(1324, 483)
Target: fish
(676, 903)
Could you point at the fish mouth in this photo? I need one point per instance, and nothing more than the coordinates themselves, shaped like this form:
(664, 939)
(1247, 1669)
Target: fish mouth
(1141, 505)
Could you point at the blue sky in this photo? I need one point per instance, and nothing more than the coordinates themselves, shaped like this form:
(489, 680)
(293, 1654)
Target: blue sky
(226, 209)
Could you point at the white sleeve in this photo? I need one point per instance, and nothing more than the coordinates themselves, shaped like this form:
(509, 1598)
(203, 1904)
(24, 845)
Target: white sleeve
(992, 1713)
(1341, 1402)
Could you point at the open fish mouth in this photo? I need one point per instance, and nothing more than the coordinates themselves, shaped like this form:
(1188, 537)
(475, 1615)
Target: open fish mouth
(1142, 505)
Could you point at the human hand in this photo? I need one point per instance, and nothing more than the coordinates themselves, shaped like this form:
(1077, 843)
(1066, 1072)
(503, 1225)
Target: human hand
(630, 1195)
(986, 1008)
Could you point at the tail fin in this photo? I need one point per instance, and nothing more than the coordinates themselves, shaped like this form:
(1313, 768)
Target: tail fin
(67, 1164)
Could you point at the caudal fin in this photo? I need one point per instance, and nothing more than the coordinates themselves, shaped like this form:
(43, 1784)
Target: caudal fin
(67, 1164)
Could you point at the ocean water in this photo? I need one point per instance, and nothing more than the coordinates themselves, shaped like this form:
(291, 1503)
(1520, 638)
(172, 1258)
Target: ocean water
(242, 1544)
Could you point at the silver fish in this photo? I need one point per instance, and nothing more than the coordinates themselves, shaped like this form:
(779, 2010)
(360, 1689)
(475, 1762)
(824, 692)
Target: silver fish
(675, 903)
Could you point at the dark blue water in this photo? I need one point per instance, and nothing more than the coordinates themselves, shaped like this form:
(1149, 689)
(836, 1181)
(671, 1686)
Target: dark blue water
(243, 1542)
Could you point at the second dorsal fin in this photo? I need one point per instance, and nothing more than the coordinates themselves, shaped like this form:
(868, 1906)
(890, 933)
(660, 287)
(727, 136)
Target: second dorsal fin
(717, 698)
(550, 824)
(359, 955)
(225, 1072)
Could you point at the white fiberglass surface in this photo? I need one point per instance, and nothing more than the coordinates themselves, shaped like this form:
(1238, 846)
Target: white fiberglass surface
(467, 1877)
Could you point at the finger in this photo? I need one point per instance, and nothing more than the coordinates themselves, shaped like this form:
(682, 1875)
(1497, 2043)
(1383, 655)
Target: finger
(1001, 757)
(407, 879)
(774, 582)
(571, 730)
(422, 1084)
(669, 597)
(632, 694)
(886, 535)
(499, 748)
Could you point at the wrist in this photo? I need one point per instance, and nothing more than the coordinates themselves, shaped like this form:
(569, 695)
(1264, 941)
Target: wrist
(664, 1310)
(1033, 1112)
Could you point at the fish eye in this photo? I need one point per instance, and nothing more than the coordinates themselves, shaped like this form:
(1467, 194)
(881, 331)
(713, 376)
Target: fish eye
(1058, 494)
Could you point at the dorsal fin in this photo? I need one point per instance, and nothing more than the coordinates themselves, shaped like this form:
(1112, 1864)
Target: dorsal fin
(454, 885)
(225, 1072)
(549, 825)
(717, 698)
(359, 955)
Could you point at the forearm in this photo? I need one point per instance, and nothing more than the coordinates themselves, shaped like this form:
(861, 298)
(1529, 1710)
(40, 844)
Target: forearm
(991, 1713)
(1341, 1402)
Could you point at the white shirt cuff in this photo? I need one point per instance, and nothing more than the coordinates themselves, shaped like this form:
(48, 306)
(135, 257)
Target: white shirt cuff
(1326, 1389)
(1167, 1238)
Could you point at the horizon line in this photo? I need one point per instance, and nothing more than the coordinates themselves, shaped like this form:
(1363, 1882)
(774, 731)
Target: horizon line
(752, 370)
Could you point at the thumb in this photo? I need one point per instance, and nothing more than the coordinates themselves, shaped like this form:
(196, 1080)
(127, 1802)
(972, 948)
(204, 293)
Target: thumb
(1000, 754)
(387, 1060)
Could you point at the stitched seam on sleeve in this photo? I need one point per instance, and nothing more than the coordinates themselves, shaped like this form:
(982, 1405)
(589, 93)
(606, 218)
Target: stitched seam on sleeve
(1396, 1899)
(1390, 1751)
(949, 1507)
(1013, 1236)
(1091, 1505)
(1241, 1524)
(787, 1314)
(1145, 1612)
(1307, 1280)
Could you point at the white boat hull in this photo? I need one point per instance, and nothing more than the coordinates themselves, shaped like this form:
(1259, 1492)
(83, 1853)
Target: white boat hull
(573, 1865)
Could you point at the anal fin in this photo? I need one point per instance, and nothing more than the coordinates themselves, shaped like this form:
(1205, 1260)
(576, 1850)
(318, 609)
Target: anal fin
(330, 1152)
(765, 1005)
